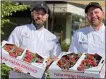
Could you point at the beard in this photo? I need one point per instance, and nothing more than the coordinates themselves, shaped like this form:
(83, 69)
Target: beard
(95, 22)
(38, 23)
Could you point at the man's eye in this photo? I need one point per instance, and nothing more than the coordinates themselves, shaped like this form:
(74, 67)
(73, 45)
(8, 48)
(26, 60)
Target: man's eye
(96, 12)
(37, 13)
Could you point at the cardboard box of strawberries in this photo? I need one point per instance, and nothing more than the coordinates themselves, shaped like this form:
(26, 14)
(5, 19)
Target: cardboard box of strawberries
(24, 59)
(73, 65)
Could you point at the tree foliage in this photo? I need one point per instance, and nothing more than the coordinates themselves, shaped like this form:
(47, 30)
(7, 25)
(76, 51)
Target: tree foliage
(8, 8)
(4, 71)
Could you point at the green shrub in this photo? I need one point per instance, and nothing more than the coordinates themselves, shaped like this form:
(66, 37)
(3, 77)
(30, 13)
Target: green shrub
(7, 9)
(5, 71)
(65, 47)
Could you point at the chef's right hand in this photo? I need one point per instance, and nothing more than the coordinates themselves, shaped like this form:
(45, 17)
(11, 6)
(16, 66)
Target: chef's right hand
(17, 69)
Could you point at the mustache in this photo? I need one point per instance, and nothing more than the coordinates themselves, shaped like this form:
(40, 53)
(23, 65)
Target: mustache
(38, 19)
(93, 18)
(34, 20)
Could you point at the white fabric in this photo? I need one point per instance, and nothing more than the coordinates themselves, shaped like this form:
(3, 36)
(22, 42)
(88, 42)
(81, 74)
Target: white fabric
(40, 41)
(87, 40)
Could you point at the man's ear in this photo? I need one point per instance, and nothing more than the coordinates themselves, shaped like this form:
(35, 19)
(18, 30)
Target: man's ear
(86, 16)
(47, 15)
(32, 14)
(104, 15)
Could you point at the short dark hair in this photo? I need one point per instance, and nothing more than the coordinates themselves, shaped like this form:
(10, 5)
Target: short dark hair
(92, 4)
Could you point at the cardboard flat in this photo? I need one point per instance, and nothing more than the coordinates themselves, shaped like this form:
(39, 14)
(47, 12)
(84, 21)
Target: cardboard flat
(95, 72)
(34, 69)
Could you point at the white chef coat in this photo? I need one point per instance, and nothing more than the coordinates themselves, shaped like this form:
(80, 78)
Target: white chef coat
(87, 40)
(40, 41)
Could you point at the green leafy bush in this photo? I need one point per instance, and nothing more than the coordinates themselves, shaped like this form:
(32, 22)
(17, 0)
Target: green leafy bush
(65, 46)
(5, 71)
(7, 9)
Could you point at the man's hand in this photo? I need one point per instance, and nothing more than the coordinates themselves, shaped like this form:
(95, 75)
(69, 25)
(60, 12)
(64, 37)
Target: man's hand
(17, 69)
(50, 60)
(55, 58)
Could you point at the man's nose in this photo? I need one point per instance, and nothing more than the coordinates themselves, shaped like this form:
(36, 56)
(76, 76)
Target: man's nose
(93, 14)
(39, 16)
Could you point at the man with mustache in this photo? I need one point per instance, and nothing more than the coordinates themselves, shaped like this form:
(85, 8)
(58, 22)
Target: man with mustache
(91, 39)
(35, 37)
